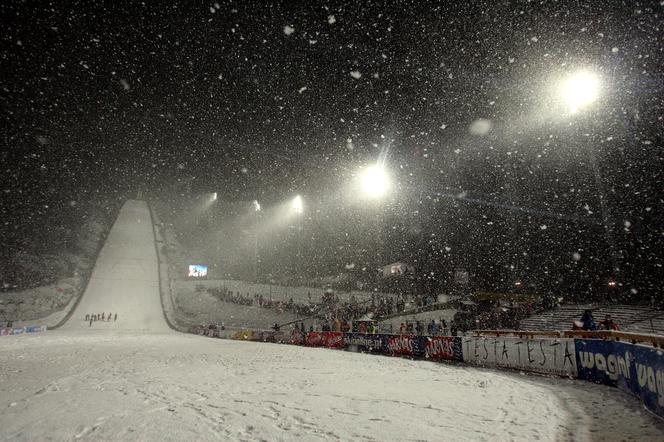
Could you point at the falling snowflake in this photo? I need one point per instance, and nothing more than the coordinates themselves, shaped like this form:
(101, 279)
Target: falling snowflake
(288, 30)
(355, 74)
(331, 19)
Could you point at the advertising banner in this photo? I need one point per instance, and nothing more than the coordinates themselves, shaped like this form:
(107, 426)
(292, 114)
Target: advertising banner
(18, 331)
(443, 347)
(333, 339)
(5, 331)
(314, 339)
(242, 335)
(35, 328)
(268, 336)
(633, 368)
(366, 342)
(549, 356)
(405, 345)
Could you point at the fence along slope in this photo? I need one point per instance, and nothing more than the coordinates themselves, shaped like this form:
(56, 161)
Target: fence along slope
(125, 279)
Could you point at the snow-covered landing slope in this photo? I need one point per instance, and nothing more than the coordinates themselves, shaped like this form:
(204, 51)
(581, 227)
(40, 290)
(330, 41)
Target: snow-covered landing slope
(125, 279)
(124, 385)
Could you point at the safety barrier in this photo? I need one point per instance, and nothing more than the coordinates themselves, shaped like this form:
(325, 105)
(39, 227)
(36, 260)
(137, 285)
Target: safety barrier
(8, 331)
(607, 357)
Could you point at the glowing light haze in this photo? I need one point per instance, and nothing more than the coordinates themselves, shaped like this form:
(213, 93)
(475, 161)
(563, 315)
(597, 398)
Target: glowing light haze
(580, 90)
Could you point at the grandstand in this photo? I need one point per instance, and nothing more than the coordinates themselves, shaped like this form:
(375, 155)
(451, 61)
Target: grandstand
(633, 318)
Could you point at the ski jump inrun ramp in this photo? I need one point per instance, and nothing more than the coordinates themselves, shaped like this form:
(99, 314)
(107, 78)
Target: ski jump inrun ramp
(125, 279)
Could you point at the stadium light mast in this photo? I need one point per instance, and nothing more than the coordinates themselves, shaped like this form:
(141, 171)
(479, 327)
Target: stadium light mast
(257, 208)
(579, 90)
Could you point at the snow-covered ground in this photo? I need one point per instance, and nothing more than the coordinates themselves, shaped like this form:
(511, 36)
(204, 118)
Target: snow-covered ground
(125, 279)
(203, 308)
(28, 306)
(115, 385)
(135, 379)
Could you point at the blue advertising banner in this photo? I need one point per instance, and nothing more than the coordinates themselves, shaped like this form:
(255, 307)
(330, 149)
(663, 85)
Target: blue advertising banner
(366, 342)
(443, 347)
(409, 345)
(633, 368)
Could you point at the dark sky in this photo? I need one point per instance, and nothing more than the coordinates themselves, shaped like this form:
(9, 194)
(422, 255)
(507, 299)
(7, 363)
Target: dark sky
(104, 97)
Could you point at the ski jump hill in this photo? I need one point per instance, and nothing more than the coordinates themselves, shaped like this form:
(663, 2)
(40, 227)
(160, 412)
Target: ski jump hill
(125, 279)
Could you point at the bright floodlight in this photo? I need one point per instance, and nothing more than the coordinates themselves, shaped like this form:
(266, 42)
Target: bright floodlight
(214, 196)
(579, 90)
(257, 206)
(297, 205)
(375, 181)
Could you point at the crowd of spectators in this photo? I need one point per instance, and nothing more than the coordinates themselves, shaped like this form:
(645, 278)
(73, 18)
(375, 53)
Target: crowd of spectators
(336, 313)
(493, 316)
(587, 322)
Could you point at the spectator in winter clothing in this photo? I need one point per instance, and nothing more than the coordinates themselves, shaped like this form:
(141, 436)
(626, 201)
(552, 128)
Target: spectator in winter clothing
(453, 328)
(609, 324)
(433, 328)
(588, 320)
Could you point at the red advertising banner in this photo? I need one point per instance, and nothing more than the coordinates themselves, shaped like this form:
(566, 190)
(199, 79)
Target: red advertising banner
(439, 347)
(333, 339)
(324, 339)
(314, 339)
(402, 344)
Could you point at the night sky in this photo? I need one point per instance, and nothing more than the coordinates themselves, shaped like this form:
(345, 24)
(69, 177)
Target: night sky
(263, 101)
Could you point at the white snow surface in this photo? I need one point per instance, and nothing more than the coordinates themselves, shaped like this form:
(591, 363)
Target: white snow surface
(125, 279)
(138, 380)
(126, 385)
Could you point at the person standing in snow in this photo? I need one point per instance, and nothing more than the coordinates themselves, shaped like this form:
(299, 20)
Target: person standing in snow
(87, 317)
(115, 318)
(90, 322)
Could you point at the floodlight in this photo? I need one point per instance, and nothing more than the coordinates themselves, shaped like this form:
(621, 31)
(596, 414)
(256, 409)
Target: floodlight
(297, 205)
(579, 90)
(375, 181)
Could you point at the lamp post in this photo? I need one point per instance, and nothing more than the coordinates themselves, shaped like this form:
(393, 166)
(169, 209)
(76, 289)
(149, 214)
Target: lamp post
(579, 91)
(297, 206)
(257, 208)
(375, 183)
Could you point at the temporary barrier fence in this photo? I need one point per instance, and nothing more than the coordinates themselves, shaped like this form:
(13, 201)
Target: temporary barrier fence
(548, 355)
(633, 368)
(8, 331)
